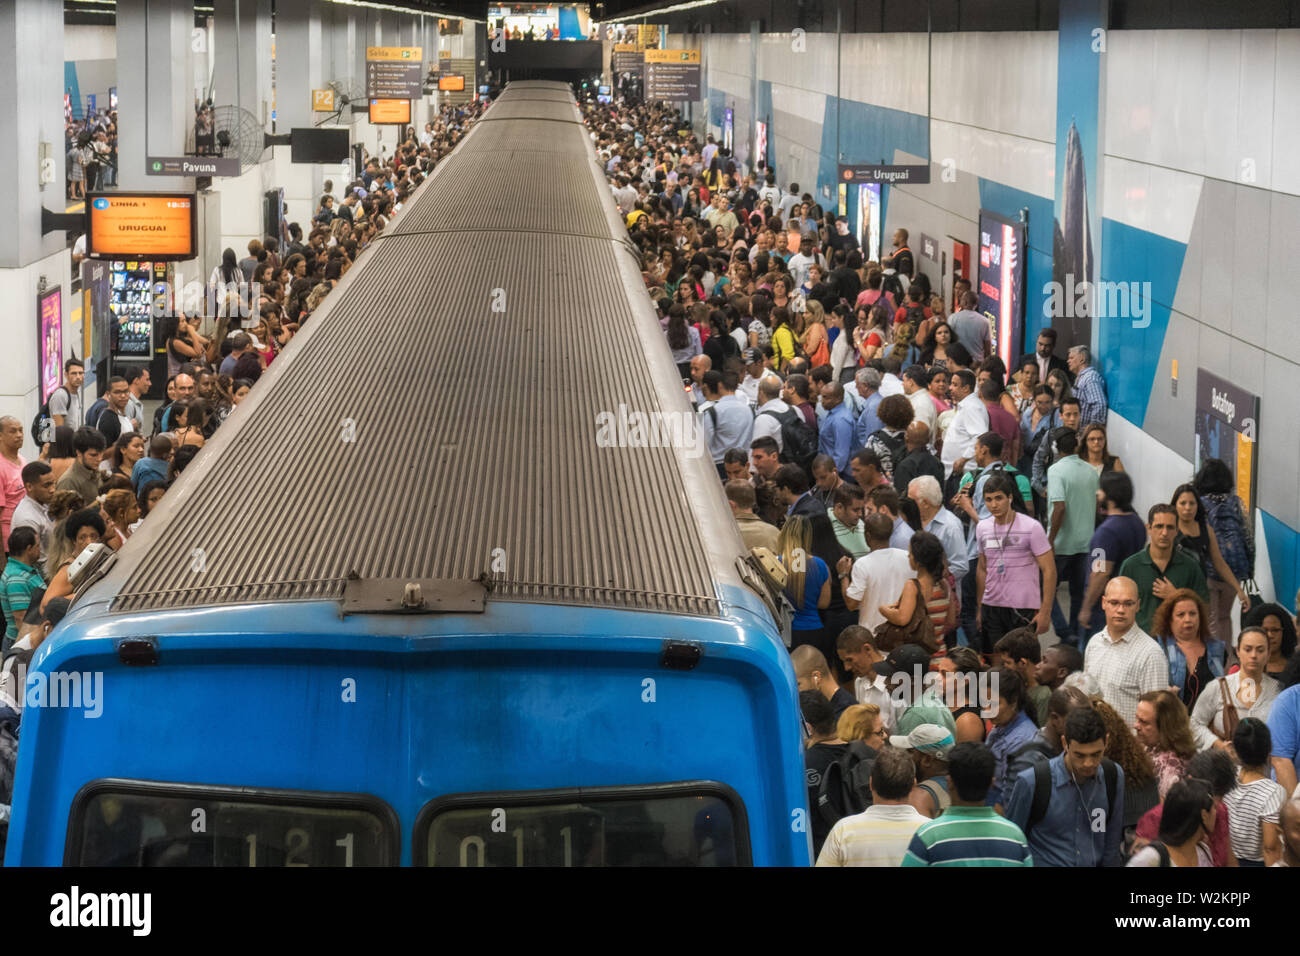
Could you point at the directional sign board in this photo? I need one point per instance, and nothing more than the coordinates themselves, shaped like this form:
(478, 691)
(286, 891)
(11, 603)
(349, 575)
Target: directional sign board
(884, 173)
(394, 72)
(672, 75)
(192, 166)
(626, 58)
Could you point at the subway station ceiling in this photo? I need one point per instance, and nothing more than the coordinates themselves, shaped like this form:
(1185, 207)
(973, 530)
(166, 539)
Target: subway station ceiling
(851, 16)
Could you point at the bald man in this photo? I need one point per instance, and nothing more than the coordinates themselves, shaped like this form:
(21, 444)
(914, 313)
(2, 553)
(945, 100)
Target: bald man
(919, 460)
(12, 490)
(699, 365)
(813, 673)
(835, 438)
(1122, 658)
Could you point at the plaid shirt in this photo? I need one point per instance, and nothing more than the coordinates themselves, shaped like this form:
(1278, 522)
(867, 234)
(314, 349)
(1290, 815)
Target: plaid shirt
(1125, 669)
(1090, 390)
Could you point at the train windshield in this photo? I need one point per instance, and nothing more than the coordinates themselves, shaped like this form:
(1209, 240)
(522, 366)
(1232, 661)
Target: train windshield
(587, 828)
(137, 824)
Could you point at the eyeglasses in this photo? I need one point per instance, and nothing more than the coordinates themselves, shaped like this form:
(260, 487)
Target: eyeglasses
(1123, 604)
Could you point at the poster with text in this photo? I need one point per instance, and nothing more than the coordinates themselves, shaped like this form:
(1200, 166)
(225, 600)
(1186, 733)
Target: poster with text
(1001, 287)
(1227, 426)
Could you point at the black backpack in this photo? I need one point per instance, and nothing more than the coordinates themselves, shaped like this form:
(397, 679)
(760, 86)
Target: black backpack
(798, 440)
(844, 789)
(43, 424)
(1012, 472)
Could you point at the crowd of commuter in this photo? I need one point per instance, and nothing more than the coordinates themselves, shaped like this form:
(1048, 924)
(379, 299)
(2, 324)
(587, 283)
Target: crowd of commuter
(90, 144)
(924, 503)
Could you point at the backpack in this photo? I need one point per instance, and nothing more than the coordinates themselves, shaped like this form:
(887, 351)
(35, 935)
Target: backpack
(897, 445)
(798, 440)
(1162, 851)
(43, 424)
(939, 797)
(95, 411)
(844, 789)
(1043, 792)
(1229, 526)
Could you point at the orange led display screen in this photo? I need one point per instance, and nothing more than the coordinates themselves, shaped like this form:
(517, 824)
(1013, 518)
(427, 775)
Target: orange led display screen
(452, 83)
(158, 226)
(390, 111)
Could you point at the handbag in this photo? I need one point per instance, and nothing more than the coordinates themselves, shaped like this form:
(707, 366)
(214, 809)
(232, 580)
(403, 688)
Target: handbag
(1230, 716)
(919, 630)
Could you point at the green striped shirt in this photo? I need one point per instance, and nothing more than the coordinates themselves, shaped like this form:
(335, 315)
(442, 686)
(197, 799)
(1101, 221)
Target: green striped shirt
(968, 836)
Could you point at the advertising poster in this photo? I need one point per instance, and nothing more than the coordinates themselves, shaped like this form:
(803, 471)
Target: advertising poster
(1001, 286)
(728, 129)
(869, 220)
(1227, 423)
(97, 315)
(49, 312)
(1076, 232)
(760, 143)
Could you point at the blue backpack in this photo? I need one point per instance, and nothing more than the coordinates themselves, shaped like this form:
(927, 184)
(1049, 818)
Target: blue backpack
(1235, 543)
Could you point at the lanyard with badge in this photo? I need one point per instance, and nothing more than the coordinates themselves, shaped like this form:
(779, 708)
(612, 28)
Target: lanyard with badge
(1002, 544)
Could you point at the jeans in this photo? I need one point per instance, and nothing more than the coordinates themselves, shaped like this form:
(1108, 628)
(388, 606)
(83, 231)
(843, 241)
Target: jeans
(1071, 569)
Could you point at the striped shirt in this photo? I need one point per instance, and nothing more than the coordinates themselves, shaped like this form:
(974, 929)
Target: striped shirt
(876, 837)
(1250, 806)
(969, 836)
(17, 583)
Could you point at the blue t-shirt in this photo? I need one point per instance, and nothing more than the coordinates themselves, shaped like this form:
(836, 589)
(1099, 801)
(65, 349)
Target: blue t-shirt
(1284, 724)
(806, 617)
(1116, 540)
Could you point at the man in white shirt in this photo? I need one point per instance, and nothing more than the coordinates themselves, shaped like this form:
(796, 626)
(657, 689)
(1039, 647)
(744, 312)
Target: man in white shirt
(916, 386)
(859, 656)
(876, 578)
(802, 261)
(624, 195)
(769, 399)
(970, 421)
(770, 191)
(890, 383)
(755, 372)
(709, 151)
(788, 201)
(1123, 658)
(32, 512)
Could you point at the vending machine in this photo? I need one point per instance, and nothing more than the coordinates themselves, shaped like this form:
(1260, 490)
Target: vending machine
(138, 291)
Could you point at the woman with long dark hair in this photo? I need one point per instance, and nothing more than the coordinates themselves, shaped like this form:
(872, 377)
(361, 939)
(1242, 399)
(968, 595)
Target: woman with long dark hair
(683, 339)
(1279, 627)
(1197, 538)
(1186, 824)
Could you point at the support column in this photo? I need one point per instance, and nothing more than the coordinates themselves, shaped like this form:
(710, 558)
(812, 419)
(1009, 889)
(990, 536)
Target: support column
(298, 71)
(242, 77)
(243, 72)
(155, 106)
(31, 113)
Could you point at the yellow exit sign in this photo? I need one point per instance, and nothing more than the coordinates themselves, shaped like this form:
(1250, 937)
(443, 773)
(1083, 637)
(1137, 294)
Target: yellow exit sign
(389, 54)
(672, 56)
(322, 101)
